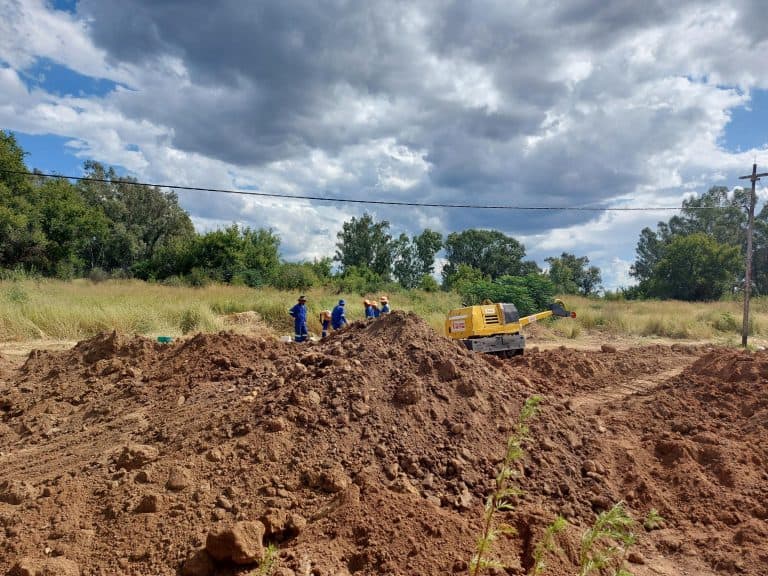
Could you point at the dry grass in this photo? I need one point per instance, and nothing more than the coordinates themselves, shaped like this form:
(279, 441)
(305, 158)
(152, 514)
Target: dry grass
(38, 309)
(716, 321)
(49, 309)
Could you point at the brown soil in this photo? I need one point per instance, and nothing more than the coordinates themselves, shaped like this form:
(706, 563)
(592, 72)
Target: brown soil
(371, 453)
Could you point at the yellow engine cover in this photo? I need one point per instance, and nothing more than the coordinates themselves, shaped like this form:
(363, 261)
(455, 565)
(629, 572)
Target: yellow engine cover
(482, 320)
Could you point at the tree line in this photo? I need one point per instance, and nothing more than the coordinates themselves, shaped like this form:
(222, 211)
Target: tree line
(110, 226)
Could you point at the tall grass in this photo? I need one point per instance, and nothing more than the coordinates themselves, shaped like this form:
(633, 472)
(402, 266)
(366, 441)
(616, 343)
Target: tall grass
(35, 309)
(668, 319)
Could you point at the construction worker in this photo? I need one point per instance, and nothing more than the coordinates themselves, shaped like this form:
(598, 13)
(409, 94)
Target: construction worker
(370, 314)
(325, 321)
(299, 313)
(384, 305)
(338, 318)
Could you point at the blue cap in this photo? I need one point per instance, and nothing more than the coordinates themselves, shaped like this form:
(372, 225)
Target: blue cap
(341, 302)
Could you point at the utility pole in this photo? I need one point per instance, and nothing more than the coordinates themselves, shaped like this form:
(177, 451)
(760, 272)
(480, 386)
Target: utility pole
(754, 177)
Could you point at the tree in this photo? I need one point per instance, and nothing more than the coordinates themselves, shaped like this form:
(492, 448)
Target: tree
(143, 218)
(364, 243)
(22, 241)
(695, 267)
(415, 257)
(489, 251)
(572, 275)
(717, 214)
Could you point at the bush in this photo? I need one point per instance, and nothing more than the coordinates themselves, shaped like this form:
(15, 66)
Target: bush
(196, 318)
(727, 322)
(197, 278)
(530, 294)
(358, 280)
(97, 275)
(294, 276)
(428, 283)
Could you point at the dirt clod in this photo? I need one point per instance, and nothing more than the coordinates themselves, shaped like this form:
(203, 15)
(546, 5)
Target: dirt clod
(239, 543)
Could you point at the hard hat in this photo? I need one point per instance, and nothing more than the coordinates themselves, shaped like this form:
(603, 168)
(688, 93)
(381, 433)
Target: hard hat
(367, 302)
(341, 302)
(384, 299)
(302, 298)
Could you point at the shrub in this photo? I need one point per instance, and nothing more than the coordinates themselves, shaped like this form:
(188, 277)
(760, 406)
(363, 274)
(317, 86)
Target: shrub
(428, 283)
(358, 280)
(197, 278)
(97, 275)
(530, 294)
(294, 276)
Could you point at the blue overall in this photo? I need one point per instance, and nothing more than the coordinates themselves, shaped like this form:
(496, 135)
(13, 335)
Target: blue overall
(326, 324)
(338, 319)
(385, 309)
(299, 313)
(369, 313)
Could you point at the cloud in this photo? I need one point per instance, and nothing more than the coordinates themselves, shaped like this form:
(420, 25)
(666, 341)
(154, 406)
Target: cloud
(563, 103)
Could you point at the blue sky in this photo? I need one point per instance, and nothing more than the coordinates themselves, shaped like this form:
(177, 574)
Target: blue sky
(748, 128)
(636, 104)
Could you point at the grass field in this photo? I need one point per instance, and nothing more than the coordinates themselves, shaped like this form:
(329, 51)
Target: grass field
(49, 309)
(36, 309)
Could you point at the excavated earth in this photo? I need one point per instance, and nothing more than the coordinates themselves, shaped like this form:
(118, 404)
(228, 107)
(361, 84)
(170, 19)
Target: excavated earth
(372, 452)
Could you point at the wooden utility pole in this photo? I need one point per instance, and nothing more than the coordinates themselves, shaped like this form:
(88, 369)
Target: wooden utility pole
(754, 177)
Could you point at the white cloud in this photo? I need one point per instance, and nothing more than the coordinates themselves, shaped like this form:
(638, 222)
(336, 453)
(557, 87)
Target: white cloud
(422, 102)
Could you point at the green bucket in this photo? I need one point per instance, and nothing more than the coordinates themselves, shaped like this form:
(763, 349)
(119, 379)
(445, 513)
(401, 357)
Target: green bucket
(165, 339)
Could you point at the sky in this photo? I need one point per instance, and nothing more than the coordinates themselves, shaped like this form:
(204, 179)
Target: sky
(550, 103)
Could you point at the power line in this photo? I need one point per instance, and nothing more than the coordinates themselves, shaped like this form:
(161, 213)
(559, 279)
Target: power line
(359, 201)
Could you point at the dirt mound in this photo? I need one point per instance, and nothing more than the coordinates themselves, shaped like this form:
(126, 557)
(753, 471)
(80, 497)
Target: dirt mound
(370, 452)
(701, 457)
(565, 371)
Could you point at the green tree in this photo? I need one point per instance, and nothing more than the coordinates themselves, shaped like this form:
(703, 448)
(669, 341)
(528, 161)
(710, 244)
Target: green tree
(71, 227)
(719, 214)
(364, 243)
(572, 275)
(491, 252)
(695, 267)
(226, 253)
(415, 257)
(143, 218)
(22, 241)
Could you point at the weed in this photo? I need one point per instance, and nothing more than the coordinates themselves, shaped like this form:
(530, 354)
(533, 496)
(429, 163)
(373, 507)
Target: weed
(268, 562)
(653, 520)
(16, 294)
(500, 498)
(605, 544)
(547, 544)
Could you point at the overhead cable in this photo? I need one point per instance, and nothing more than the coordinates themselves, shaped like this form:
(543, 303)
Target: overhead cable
(361, 201)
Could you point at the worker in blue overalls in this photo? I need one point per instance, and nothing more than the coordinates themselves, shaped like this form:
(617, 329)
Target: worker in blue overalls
(370, 310)
(338, 318)
(299, 313)
(384, 306)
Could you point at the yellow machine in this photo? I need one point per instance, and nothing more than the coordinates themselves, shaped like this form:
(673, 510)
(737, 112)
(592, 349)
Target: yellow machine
(495, 328)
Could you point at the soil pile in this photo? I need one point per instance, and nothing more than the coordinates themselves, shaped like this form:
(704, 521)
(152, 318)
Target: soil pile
(370, 452)
(702, 457)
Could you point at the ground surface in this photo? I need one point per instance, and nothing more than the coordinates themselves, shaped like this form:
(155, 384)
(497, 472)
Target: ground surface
(372, 452)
